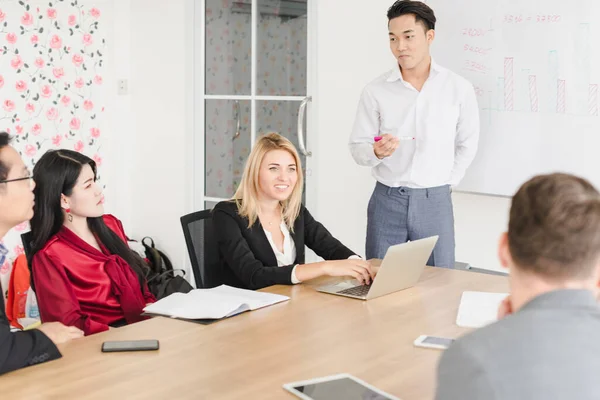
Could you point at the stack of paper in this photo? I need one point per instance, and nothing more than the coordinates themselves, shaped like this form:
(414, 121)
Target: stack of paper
(478, 309)
(220, 302)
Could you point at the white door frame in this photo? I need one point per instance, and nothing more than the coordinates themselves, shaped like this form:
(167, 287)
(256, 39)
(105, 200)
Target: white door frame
(195, 153)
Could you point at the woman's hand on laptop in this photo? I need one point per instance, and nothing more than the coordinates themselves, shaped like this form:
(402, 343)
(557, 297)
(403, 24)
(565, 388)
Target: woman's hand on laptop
(358, 269)
(374, 268)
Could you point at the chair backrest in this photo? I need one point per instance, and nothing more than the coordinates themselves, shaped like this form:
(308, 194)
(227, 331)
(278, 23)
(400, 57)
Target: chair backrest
(26, 238)
(202, 248)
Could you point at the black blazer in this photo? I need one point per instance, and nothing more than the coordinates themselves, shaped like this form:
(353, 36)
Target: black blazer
(22, 349)
(247, 259)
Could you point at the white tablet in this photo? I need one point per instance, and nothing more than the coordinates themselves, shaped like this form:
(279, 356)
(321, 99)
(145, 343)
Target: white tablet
(336, 387)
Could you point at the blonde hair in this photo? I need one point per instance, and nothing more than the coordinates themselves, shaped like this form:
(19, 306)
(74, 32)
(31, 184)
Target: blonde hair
(246, 195)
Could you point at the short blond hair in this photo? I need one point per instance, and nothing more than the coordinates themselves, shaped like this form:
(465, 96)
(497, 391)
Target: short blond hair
(246, 195)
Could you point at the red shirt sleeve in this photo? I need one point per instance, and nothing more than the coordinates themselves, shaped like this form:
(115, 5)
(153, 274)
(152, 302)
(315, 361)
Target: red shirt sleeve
(148, 297)
(56, 300)
(117, 227)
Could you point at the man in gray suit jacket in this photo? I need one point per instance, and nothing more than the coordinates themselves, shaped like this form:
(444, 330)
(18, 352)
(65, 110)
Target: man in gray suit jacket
(546, 344)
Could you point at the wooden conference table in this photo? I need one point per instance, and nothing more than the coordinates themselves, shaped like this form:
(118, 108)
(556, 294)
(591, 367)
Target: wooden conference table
(251, 355)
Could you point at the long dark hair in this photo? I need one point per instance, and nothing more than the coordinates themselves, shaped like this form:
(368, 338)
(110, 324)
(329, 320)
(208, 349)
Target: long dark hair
(56, 173)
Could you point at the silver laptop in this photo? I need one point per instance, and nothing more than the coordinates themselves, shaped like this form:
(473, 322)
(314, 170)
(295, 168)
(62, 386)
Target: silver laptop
(400, 269)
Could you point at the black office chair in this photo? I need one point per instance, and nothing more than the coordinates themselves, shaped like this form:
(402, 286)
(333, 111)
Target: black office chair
(26, 238)
(202, 248)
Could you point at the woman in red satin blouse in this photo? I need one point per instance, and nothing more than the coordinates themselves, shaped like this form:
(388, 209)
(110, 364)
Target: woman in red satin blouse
(83, 271)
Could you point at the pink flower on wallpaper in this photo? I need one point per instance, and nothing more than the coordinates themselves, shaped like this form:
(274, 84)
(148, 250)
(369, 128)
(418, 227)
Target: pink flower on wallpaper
(94, 12)
(36, 129)
(72, 20)
(30, 150)
(5, 268)
(98, 80)
(88, 105)
(52, 114)
(19, 130)
(56, 140)
(46, 91)
(26, 19)
(9, 105)
(1, 81)
(65, 100)
(21, 86)
(79, 83)
(34, 39)
(98, 160)
(18, 250)
(22, 226)
(29, 108)
(79, 146)
(95, 132)
(58, 72)
(11, 38)
(51, 13)
(2, 16)
(77, 60)
(88, 39)
(75, 124)
(16, 62)
(39, 62)
(56, 42)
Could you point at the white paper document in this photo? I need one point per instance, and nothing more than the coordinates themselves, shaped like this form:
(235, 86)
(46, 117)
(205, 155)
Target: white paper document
(478, 309)
(220, 302)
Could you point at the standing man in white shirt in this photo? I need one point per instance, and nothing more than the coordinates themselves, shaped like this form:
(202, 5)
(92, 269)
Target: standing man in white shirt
(417, 127)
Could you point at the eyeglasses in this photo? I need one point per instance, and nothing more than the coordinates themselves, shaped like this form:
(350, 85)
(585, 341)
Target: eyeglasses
(30, 178)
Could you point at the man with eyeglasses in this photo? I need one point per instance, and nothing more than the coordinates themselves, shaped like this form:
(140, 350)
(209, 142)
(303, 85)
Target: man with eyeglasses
(24, 348)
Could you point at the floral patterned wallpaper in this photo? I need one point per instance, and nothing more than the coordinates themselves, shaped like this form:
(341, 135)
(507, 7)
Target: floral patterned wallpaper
(52, 88)
(228, 43)
(282, 50)
(281, 70)
(226, 151)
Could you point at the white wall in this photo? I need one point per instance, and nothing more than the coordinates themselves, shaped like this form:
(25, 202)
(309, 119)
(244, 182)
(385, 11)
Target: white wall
(156, 163)
(122, 138)
(479, 221)
(352, 49)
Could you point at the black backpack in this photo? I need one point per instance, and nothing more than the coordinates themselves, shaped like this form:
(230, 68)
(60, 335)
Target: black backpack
(162, 279)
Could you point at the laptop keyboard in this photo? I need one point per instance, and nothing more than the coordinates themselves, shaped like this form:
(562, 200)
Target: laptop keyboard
(359, 291)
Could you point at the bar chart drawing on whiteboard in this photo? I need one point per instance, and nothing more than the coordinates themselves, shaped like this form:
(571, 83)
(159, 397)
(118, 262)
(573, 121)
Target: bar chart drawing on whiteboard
(520, 91)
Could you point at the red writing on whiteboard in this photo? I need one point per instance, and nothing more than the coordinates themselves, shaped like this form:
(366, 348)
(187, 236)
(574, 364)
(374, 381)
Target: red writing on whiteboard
(475, 49)
(474, 32)
(540, 18)
(479, 91)
(475, 66)
(548, 18)
(514, 19)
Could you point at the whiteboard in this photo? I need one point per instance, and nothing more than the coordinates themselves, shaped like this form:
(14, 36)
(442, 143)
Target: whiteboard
(535, 66)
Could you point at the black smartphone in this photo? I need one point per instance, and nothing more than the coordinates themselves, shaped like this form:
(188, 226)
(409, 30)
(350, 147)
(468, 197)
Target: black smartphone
(129, 345)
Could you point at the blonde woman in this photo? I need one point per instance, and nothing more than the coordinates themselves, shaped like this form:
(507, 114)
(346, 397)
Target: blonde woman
(262, 231)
